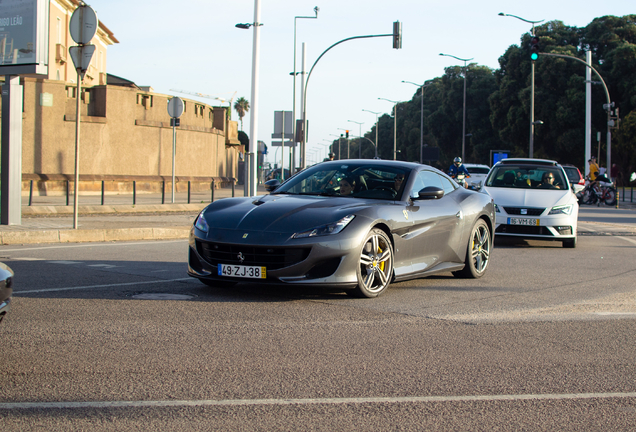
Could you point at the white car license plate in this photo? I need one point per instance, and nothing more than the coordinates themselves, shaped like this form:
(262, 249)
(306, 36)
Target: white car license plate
(523, 221)
(241, 271)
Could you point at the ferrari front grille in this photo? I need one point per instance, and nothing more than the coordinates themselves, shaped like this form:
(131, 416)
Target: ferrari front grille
(264, 256)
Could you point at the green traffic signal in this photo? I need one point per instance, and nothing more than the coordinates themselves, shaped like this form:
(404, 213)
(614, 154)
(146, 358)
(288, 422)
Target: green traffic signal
(534, 56)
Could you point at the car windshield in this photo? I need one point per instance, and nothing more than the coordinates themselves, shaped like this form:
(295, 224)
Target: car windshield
(527, 177)
(356, 180)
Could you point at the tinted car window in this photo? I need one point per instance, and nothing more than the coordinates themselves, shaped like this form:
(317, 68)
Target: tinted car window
(376, 181)
(425, 179)
(448, 185)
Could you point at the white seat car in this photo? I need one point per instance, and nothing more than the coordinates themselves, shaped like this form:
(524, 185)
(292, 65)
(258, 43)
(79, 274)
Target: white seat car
(478, 174)
(533, 200)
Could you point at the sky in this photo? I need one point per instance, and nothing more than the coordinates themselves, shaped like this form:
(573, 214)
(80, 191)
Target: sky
(193, 46)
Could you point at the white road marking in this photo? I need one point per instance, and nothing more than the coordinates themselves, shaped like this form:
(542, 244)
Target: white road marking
(102, 265)
(72, 246)
(312, 401)
(17, 293)
(631, 240)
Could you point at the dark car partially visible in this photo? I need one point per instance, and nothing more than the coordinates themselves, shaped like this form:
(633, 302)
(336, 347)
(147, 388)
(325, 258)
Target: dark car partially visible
(6, 288)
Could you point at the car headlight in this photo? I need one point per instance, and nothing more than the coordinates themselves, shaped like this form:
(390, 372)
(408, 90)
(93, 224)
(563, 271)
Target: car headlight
(496, 208)
(201, 224)
(332, 228)
(566, 210)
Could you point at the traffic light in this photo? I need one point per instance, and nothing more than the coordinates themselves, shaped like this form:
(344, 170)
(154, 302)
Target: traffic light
(347, 134)
(534, 48)
(397, 35)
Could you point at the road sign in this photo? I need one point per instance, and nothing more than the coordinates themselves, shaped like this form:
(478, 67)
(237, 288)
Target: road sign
(83, 24)
(175, 107)
(81, 56)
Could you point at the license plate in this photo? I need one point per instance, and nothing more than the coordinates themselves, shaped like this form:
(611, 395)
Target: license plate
(523, 221)
(241, 271)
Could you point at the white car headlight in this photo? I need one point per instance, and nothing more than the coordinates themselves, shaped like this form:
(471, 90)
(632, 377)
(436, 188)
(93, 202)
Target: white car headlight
(201, 224)
(565, 209)
(332, 228)
(497, 208)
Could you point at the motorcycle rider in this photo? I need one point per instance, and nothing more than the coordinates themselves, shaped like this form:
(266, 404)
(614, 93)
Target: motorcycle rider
(458, 168)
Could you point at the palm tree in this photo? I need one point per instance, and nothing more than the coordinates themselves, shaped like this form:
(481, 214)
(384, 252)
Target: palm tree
(242, 106)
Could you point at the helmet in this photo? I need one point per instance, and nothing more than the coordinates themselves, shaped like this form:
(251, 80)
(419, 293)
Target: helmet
(457, 160)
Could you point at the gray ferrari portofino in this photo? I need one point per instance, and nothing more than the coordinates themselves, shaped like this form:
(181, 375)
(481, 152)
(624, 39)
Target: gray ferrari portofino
(355, 225)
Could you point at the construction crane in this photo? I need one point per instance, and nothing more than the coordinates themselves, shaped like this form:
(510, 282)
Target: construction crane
(206, 96)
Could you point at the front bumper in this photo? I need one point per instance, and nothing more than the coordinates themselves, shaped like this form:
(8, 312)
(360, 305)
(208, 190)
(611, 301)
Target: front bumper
(322, 261)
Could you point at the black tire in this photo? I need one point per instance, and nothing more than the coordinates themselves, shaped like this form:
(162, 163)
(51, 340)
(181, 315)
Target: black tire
(610, 197)
(569, 243)
(587, 197)
(217, 283)
(477, 252)
(375, 269)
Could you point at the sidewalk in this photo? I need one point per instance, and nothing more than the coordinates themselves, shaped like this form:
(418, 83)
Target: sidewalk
(50, 220)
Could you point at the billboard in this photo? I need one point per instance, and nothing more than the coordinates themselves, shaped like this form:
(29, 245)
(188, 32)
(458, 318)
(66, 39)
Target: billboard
(24, 36)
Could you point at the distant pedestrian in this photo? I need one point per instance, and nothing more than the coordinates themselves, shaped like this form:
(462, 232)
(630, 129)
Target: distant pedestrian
(614, 173)
(593, 168)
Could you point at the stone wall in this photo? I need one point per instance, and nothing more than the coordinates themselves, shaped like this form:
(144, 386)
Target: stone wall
(123, 131)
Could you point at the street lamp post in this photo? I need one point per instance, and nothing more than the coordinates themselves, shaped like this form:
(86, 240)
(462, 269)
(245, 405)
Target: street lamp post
(397, 44)
(316, 9)
(339, 145)
(394, 126)
(464, 111)
(251, 191)
(531, 144)
(422, 87)
(360, 143)
(377, 126)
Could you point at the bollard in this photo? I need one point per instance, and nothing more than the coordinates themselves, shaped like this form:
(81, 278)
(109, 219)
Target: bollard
(188, 191)
(31, 193)
(102, 192)
(212, 197)
(232, 188)
(68, 187)
(617, 197)
(134, 192)
(163, 192)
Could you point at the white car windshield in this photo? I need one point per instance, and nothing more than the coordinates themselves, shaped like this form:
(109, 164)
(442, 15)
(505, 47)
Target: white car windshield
(527, 177)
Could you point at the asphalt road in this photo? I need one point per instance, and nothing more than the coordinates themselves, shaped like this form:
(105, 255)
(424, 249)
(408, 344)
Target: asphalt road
(115, 336)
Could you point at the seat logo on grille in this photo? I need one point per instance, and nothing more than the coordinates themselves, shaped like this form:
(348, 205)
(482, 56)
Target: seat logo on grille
(240, 257)
(245, 235)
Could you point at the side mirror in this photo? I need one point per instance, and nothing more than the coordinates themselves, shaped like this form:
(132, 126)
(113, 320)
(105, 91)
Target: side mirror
(272, 185)
(430, 192)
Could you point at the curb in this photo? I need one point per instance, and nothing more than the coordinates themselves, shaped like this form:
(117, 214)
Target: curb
(111, 209)
(93, 235)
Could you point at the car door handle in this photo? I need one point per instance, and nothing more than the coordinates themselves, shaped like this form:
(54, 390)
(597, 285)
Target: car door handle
(459, 215)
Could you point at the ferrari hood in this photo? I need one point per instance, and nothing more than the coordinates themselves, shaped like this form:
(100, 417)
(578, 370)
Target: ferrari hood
(280, 213)
(512, 197)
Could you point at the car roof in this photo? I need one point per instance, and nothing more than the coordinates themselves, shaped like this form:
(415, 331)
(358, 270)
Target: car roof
(527, 161)
(477, 165)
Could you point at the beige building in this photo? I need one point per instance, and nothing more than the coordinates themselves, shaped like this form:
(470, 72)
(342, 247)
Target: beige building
(125, 130)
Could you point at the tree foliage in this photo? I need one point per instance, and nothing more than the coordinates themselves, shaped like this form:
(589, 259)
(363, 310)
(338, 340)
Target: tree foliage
(498, 102)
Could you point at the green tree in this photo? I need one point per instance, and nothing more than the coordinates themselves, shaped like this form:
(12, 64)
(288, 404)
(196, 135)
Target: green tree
(242, 106)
